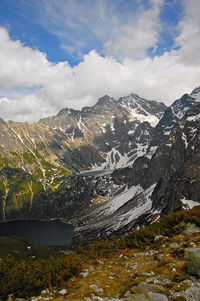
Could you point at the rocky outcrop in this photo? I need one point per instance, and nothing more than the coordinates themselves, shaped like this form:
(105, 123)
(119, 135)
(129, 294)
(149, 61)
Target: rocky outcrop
(192, 257)
(147, 297)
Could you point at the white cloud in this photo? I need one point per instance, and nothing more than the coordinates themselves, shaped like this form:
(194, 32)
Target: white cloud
(189, 38)
(163, 78)
(135, 38)
(123, 29)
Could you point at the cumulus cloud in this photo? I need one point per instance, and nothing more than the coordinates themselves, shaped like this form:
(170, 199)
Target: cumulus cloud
(117, 28)
(40, 88)
(189, 37)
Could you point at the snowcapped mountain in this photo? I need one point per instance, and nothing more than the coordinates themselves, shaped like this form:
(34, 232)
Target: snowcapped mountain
(38, 162)
(149, 155)
(164, 179)
(117, 130)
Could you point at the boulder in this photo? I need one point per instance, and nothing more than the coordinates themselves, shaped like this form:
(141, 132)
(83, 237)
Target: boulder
(147, 274)
(147, 297)
(158, 238)
(174, 245)
(192, 258)
(97, 298)
(144, 287)
(84, 273)
(63, 292)
(191, 228)
(95, 289)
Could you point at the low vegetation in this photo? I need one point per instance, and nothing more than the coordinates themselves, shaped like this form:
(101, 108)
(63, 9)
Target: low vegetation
(28, 277)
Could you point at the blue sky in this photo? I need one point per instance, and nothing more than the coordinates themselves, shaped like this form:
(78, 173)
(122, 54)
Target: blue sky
(68, 53)
(28, 21)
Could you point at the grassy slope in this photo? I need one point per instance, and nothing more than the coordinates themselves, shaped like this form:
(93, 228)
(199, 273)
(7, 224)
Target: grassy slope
(23, 176)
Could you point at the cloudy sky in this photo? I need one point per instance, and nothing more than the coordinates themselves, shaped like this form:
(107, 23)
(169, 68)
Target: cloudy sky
(68, 53)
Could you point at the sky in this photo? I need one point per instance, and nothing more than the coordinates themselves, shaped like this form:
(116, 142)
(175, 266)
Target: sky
(68, 53)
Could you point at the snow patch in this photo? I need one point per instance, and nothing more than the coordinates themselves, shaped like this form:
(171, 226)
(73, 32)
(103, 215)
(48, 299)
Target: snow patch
(193, 118)
(143, 206)
(123, 198)
(189, 203)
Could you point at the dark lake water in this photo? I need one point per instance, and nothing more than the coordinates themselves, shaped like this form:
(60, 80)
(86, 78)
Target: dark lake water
(54, 232)
(97, 173)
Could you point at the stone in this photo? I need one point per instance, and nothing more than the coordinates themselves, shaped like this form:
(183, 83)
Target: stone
(157, 297)
(95, 289)
(43, 292)
(146, 274)
(63, 292)
(179, 298)
(10, 297)
(147, 297)
(171, 265)
(97, 298)
(192, 258)
(158, 238)
(128, 293)
(84, 273)
(174, 245)
(191, 228)
(147, 287)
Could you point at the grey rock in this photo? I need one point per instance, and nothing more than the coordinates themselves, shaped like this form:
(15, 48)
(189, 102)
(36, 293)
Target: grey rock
(158, 238)
(174, 245)
(191, 228)
(84, 273)
(147, 287)
(171, 265)
(63, 292)
(192, 258)
(147, 297)
(128, 293)
(97, 298)
(96, 289)
(146, 274)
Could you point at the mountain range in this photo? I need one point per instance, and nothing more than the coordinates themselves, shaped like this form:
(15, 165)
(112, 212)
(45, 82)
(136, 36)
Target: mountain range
(107, 168)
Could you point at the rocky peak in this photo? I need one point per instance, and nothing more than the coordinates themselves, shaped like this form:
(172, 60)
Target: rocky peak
(105, 100)
(195, 90)
(181, 106)
(69, 112)
(142, 106)
(1, 121)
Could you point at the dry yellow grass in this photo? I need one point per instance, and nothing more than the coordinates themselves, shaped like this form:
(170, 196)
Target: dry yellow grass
(116, 273)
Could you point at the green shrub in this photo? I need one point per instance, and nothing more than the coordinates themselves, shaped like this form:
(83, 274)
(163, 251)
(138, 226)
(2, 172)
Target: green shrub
(27, 277)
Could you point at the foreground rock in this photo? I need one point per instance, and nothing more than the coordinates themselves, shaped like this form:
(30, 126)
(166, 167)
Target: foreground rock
(147, 297)
(145, 287)
(192, 257)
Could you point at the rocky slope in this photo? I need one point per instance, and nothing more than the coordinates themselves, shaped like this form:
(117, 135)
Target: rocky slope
(155, 263)
(119, 130)
(164, 179)
(38, 162)
(155, 156)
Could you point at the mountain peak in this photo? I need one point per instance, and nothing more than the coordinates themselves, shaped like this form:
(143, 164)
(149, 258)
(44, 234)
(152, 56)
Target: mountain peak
(195, 90)
(104, 100)
(1, 120)
(196, 93)
(68, 111)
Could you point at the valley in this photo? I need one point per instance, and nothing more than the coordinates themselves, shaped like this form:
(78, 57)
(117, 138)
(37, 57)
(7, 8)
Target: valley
(105, 169)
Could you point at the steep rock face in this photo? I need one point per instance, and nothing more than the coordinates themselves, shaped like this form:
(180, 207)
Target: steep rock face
(38, 161)
(119, 130)
(156, 164)
(164, 179)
